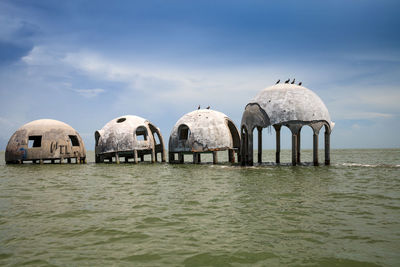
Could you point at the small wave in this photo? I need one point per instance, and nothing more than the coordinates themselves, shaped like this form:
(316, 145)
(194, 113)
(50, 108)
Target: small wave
(371, 165)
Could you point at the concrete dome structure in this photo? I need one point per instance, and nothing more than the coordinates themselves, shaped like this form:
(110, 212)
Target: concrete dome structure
(203, 131)
(289, 105)
(45, 140)
(129, 137)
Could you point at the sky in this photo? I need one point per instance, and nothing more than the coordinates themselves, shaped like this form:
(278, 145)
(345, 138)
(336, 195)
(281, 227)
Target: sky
(88, 62)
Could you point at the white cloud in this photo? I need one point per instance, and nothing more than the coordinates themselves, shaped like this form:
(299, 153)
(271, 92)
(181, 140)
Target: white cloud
(89, 93)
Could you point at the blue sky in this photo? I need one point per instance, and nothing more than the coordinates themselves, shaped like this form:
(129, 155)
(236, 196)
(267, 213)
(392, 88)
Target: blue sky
(87, 62)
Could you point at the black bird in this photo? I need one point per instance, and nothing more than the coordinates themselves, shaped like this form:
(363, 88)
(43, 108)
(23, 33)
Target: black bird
(198, 107)
(300, 83)
(208, 107)
(278, 81)
(287, 81)
(293, 81)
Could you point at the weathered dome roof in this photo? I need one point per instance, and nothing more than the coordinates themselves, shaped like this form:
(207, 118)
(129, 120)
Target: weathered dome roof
(54, 139)
(209, 130)
(291, 102)
(43, 125)
(119, 134)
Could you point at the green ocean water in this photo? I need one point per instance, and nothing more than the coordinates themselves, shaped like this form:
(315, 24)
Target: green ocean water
(346, 214)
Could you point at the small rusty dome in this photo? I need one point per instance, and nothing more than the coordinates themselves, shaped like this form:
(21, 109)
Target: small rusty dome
(45, 139)
(126, 135)
(204, 130)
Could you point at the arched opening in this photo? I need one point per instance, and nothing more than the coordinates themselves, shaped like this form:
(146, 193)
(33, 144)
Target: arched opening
(307, 134)
(234, 134)
(141, 133)
(183, 132)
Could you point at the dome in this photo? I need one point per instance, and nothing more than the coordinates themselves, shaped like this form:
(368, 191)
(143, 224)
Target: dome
(290, 103)
(45, 139)
(127, 134)
(204, 130)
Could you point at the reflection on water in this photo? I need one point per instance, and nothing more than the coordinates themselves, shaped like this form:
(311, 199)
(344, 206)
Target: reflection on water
(196, 215)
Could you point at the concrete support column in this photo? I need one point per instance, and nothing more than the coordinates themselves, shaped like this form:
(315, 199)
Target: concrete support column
(315, 149)
(181, 157)
(278, 143)
(196, 158)
(78, 160)
(153, 155)
(298, 147)
(135, 156)
(231, 155)
(215, 157)
(171, 157)
(327, 148)
(61, 160)
(116, 158)
(294, 148)
(243, 146)
(163, 156)
(259, 150)
(250, 149)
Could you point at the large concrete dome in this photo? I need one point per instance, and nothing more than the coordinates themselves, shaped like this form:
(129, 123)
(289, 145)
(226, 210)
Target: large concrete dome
(204, 130)
(126, 135)
(284, 103)
(45, 139)
(289, 105)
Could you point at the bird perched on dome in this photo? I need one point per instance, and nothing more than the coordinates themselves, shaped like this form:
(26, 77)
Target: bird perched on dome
(208, 107)
(278, 81)
(287, 81)
(300, 83)
(293, 81)
(198, 107)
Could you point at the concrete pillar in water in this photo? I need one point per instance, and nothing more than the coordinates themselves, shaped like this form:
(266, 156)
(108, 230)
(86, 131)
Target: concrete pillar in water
(116, 158)
(259, 150)
(196, 158)
(315, 149)
(171, 157)
(153, 155)
(298, 147)
(327, 148)
(181, 157)
(215, 157)
(294, 148)
(231, 155)
(278, 143)
(135, 156)
(250, 148)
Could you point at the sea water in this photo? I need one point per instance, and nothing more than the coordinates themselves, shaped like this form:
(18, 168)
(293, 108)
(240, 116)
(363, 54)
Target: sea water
(204, 215)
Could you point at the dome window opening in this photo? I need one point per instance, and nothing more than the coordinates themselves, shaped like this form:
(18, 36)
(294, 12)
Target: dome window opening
(74, 140)
(141, 134)
(184, 132)
(35, 141)
(121, 120)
